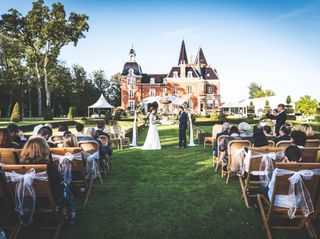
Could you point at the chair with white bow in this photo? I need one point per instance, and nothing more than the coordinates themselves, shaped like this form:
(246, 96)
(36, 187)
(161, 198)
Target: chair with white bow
(299, 184)
(34, 199)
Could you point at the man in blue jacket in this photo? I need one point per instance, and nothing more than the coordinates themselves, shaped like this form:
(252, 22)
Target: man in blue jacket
(183, 123)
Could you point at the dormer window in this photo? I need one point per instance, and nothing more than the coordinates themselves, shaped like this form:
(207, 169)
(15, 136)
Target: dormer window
(131, 72)
(189, 74)
(164, 81)
(175, 74)
(152, 81)
(209, 89)
(130, 81)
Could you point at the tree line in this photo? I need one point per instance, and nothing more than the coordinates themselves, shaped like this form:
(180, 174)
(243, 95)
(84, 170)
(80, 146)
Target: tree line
(30, 71)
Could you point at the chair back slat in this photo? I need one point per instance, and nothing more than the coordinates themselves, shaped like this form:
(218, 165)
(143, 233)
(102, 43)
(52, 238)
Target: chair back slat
(283, 143)
(312, 143)
(255, 162)
(282, 184)
(271, 143)
(89, 146)
(309, 154)
(76, 165)
(42, 188)
(216, 129)
(104, 139)
(9, 156)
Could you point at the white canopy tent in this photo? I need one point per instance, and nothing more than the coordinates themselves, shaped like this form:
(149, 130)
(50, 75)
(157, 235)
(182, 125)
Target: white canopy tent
(100, 104)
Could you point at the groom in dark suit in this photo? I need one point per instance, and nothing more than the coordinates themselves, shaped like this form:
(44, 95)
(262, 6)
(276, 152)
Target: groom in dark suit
(182, 127)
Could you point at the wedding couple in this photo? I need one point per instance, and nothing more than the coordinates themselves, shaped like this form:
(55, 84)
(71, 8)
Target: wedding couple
(152, 141)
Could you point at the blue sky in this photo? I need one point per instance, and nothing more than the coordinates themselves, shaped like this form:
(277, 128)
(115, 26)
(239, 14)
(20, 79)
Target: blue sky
(275, 43)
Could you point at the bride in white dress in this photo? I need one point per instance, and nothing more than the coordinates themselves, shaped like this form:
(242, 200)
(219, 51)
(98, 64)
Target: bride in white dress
(152, 141)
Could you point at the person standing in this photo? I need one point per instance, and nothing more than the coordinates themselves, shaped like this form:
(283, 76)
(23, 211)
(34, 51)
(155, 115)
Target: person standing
(182, 127)
(280, 118)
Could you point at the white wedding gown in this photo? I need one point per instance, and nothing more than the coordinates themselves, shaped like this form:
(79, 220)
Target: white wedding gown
(152, 141)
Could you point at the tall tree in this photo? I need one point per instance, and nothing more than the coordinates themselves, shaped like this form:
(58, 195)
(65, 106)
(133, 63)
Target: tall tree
(114, 91)
(306, 105)
(100, 81)
(43, 32)
(256, 91)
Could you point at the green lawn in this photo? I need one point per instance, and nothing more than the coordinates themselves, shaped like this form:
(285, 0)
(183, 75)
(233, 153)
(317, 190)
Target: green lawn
(170, 193)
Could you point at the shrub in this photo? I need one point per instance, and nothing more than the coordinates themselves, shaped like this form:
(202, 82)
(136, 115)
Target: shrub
(117, 114)
(15, 115)
(71, 112)
(214, 115)
(251, 112)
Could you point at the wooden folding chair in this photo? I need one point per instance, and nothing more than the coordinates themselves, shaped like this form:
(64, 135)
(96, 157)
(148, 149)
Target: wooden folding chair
(218, 160)
(271, 143)
(283, 143)
(9, 156)
(215, 130)
(78, 170)
(270, 212)
(104, 139)
(7, 217)
(44, 195)
(251, 182)
(309, 154)
(119, 135)
(92, 147)
(312, 143)
(233, 147)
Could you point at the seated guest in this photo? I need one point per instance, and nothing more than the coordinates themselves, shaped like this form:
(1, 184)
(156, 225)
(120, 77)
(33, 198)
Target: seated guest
(259, 139)
(15, 135)
(91, 137)
(284, 134)
(45, 132)
(244, 129)
(234, 134)
(36, 129)
(308, 130)
(36, 151)
(268, 132)
(48, 125)
(80, 129)
(63, 127)
(298, 138)
(99, 132)
(70, 140)
(224, 131)
(5, 139)
(292, 154)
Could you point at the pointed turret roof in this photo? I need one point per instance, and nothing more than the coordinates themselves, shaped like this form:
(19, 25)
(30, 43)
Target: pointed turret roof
(183, 54)
(200, 59)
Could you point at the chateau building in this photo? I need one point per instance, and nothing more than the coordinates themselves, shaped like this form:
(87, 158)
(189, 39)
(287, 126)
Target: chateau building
(196, 82)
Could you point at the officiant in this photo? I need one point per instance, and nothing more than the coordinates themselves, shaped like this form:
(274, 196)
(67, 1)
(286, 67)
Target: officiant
(183, 122)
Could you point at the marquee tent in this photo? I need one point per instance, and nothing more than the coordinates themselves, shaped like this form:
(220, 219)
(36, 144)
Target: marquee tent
(100, 104)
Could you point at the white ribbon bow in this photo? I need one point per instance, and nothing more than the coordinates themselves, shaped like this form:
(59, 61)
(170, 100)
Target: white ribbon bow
(65, 166)
(298, 192)
(25, 196)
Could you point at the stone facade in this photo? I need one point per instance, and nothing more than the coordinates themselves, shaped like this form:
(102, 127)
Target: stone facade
(197, 82)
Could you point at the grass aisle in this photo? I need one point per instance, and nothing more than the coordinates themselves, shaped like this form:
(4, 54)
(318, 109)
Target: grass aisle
(170, 193)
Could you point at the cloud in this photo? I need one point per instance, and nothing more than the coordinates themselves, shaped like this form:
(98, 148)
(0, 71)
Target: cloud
(298, 12)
